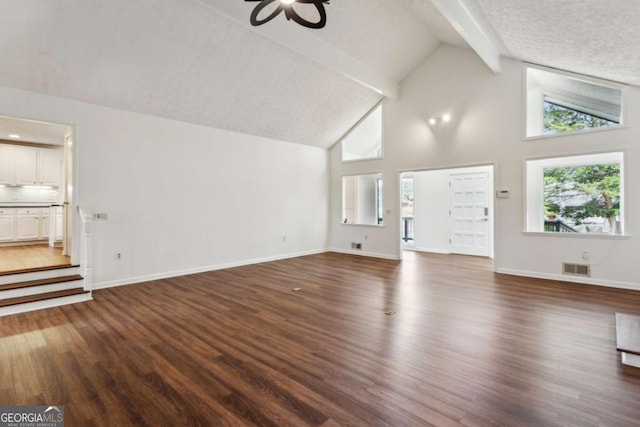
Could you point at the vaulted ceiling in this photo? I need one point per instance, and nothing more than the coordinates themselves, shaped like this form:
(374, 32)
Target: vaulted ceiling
(200, 61)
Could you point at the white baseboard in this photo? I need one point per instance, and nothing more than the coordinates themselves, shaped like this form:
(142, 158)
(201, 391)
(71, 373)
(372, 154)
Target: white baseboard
(176, 273)
(367, 254)
(572, 279)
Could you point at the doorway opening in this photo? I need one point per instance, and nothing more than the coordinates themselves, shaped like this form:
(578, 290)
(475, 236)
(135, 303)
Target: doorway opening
(35, 195)
(448, 211)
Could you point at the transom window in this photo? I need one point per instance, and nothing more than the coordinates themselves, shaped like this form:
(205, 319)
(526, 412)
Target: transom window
(560, 103)
(364, 141)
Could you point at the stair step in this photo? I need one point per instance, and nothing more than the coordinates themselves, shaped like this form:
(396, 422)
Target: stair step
(40, 282)
(42, 297)
(38, 274)
(35, 269)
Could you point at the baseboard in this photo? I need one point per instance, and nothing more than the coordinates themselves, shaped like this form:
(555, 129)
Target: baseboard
(361, 253)
(572, 279)
(176, 273)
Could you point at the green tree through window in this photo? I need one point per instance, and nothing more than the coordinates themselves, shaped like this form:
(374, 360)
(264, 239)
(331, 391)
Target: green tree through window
(559, 119)
(585, 193)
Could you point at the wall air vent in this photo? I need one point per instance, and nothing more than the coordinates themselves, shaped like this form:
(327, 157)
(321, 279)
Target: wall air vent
(576, 269)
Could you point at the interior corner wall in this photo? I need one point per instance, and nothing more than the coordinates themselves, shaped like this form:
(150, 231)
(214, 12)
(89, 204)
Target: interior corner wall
(487, 127)
(182, 198)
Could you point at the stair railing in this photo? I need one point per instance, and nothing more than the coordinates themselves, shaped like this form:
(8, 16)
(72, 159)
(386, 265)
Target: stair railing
(85, 248)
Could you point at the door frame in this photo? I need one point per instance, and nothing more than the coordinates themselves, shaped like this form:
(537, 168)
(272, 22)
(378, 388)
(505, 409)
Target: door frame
(454, 169)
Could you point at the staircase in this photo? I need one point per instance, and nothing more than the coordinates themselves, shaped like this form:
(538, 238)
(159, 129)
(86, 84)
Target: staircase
(35, 289)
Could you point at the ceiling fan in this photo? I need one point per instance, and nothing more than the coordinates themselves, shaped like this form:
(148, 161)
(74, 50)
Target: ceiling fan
(287, 6)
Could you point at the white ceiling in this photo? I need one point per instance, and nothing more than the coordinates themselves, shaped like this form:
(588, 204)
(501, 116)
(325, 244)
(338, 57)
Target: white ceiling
(199, 61)
(600, 38)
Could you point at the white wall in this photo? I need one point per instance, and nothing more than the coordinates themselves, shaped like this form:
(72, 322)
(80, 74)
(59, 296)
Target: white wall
(182, 197)
(431, 211)
(487, 128)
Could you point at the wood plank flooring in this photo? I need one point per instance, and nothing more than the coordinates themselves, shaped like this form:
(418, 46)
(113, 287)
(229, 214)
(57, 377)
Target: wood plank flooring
(29, 257)
(465, 347)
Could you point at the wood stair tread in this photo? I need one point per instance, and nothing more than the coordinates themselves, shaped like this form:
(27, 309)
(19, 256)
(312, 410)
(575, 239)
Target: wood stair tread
(36, 269)
(628, 333)
(40, 282)
(42, 297)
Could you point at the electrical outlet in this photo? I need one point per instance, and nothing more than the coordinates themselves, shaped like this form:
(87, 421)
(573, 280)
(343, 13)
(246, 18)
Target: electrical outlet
(585, 255)
(100, 216)
(284, 238)
(118, 256)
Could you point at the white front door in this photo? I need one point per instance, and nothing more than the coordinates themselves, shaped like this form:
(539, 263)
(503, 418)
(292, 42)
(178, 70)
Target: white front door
(469, 214)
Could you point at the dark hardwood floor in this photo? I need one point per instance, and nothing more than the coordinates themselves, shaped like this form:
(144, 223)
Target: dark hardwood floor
(240, 347)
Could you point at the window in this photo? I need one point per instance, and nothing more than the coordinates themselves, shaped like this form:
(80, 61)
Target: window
(362, 199)
(579, 194)
(558, 103)
(364, 141)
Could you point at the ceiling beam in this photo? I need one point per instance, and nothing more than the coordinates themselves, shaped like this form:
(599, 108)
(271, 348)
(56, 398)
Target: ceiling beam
(302, 41)
(463, 20)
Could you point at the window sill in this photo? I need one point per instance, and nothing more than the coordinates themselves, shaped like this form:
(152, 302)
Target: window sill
(573, 133)
(578, 235)
(363, 225)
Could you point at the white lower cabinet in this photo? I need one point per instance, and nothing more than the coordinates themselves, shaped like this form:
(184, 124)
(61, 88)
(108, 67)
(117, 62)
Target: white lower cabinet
(28, 224)
(7, 224)
(46, 224)
(25, 224)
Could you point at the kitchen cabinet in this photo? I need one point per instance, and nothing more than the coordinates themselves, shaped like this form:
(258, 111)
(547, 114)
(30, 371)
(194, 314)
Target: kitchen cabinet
(28, 224)
(6, 164)
(7, 227)
(46, 224)
(21, 165)
(49, 167)
(26, 166)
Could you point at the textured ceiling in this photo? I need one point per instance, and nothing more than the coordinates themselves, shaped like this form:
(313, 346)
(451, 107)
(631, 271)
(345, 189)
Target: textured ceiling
(593, 37)
(185, 61)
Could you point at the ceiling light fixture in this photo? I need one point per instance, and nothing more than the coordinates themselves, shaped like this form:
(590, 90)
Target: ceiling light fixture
(14, 136)
(289, 12)
(445, 118)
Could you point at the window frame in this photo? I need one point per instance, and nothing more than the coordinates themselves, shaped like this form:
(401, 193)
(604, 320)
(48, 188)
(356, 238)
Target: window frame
(540, 192)
(380, 105)
(568, 99)
(378, 199)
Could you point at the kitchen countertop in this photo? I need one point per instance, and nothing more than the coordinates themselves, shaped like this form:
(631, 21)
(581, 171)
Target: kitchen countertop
(24, 205)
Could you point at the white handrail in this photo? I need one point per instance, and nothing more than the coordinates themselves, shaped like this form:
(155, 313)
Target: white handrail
(85, 249)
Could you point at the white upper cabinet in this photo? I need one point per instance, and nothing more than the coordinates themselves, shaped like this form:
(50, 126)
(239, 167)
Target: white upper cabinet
(26, 166)
(49, 167)
(6, 164)
(20, 165)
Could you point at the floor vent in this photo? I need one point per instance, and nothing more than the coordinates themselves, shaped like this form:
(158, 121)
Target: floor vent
(576, 269)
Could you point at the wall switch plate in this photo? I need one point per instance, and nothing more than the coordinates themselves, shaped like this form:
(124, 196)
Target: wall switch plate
(100, 216)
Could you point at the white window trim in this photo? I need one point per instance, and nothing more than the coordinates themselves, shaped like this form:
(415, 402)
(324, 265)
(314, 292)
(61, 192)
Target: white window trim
(342, 199)
(580, 77)
(623, 194)
(343, 137)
